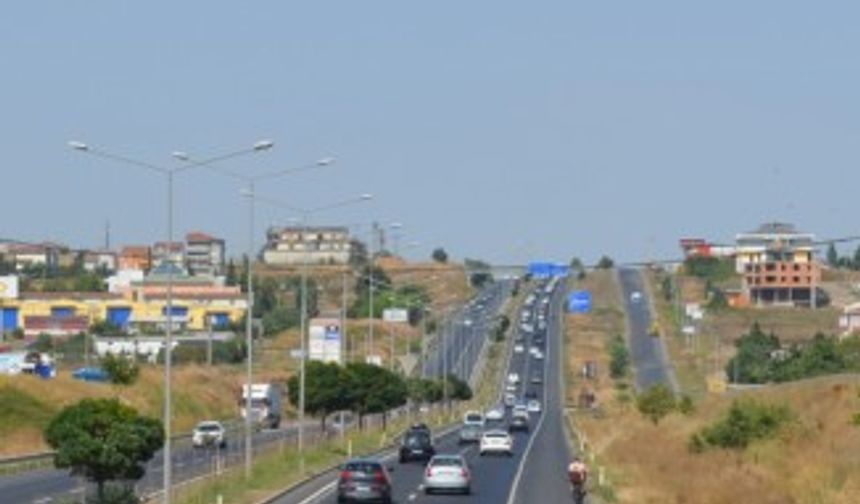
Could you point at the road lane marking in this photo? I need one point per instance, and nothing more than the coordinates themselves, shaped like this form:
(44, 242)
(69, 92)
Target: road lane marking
(413, 496)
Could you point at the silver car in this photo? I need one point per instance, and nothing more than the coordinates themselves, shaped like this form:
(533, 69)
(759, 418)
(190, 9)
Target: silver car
(449, 473)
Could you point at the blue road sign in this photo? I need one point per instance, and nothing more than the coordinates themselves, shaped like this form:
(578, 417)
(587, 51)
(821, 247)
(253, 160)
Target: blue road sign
(579, 302)
(547, 270)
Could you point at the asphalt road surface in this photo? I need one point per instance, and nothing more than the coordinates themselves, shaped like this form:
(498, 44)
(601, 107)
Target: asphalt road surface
(647, 352)
(534, 474)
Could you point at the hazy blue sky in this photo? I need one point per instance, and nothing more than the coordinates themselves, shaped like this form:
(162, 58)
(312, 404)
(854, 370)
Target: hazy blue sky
(506, 130)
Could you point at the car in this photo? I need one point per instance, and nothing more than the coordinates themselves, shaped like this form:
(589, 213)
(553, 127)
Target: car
(531, 394)
(473, 418)
(363, 480)
(416, 445)
(513, 378)
(520, 409)
(537, 379)
(534, 406)
(635, 296)
(447, 473)
(518, 348)
(510, 388)
(420, 426)
(495, 415)
(496, 441)
(519, 422)
(538, 355)
(509, 400)
(208, 434)
(533, 349)
(470, 434)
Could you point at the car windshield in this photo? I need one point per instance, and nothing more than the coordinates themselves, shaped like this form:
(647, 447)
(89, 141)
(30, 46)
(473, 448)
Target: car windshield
(208, 427)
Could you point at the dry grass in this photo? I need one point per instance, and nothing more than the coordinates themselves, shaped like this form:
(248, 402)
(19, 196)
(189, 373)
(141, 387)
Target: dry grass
(199, 393)
(446, 283)
(814, 462)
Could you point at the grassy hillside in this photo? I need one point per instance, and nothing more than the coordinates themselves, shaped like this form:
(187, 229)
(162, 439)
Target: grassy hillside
(27, 404)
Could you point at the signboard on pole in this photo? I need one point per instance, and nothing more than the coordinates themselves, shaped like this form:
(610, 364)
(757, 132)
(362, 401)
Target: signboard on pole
(579, 302)
(547, 270)
(324, 340)
(399, 315)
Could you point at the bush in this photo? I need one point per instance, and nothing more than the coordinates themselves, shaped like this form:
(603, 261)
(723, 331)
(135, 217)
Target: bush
(746, 421)
(713, 269)
(44, 343)
(120, 369)
(686, 406)
(619, 361)
(656, 403)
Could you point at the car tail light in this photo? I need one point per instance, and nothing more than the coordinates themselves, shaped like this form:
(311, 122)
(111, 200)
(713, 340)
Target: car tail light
(379, 476)
(345, 475)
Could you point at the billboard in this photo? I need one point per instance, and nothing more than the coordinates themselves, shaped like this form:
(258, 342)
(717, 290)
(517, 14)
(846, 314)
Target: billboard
(395, 315)
(324, 340)
(9, 287)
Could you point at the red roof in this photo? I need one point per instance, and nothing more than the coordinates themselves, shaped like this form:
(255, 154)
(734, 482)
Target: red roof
(135, 250)
(198, 236)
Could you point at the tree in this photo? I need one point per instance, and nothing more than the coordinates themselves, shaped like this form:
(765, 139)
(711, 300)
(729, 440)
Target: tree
(606, 263)
(856, 262)
(832, 256)
(577, 267)
(422, 390)
(439, 255)
(656, 402)
(103, 440)
(120, 369)
(751, 363)
(358, 255)
(44, 343)
(375, 390)
(328, 388)
(458, 389)
(619, 358)
(231, 278)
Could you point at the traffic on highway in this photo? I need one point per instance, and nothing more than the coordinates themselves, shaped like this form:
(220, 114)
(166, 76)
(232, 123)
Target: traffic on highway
(493, 456)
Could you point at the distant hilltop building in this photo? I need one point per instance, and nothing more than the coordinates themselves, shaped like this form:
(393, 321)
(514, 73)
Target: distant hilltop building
(316, 245)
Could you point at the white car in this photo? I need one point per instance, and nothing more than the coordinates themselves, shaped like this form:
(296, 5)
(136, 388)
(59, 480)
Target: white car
(538, 355)
(473, 418)
(496, 441)
(513, 378)
(533, 406)
(519, 348)
(636, 296)
(534, 349)
(495, 415)
(520, 409)
(209, 433)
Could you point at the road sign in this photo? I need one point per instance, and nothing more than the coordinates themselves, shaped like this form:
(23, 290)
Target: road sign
(540, 269)
(395, 315)
(579, 302)
(324, 340)
(296, 353)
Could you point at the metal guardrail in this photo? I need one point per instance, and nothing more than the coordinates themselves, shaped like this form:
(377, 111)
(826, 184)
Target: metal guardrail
(23, 463)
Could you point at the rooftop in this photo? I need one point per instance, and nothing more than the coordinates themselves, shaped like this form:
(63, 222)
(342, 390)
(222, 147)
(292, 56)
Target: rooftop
(199, 236)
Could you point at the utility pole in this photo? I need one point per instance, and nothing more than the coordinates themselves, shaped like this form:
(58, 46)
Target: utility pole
(369, 343)
(343, 340)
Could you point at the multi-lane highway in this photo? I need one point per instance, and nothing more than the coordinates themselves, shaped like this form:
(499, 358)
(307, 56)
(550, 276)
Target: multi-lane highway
(535, 472)
(647, 352)
(49, 485)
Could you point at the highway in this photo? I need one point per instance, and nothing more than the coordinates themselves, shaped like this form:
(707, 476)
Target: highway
(648, 354)
(534, 474)
(51, 485)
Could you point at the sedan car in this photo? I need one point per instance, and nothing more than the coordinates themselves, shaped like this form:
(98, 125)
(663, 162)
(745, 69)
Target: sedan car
(447, 473)
(470, 434)
(496, 441)
(208, 434)
(518, 348)
(519, 423)
(416, 445)
(533, 406)
(364, 480)
(537, 379)
(513, 378)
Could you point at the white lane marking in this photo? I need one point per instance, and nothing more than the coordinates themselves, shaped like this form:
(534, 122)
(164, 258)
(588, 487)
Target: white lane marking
(43, 500)
(516, 484)
(413, 496)
(320, 493)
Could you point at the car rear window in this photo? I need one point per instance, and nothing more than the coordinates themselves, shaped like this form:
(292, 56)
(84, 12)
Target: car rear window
(474, 418)
(447, 462)
(363, 467)
(417, 439)
(208, 427)
(496, 435)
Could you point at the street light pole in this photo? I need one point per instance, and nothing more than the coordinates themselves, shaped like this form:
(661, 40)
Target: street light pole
(249, 333)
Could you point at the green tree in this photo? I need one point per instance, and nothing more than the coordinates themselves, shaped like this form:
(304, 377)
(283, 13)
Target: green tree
(44, 343)
(422, 390)
(231, 277)
(375, 390)
(439, 255)
(619, 358)
(120, 369)
(605, 263)
(832, 256)
(856, 261)
(328, 388)
(458, 390)
(103, 440)
(752, 360)
(656, 402)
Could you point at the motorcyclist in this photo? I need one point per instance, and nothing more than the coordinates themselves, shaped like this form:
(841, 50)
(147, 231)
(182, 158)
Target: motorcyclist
(577, 472)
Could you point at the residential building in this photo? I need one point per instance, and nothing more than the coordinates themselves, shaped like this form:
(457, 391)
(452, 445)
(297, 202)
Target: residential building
(135, 257)
(99, 260)
(777, 265)
(698, 247)
(314, 245)
(172, 252)
(26, 255)
(849, 321)
(205, 254)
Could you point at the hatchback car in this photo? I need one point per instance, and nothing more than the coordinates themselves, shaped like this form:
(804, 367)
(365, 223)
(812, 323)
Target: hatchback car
(416, 445)
(447, 473)
(363, 480)
(534, 406)
(209, 434)
(519, 422)
(496, 442)
(495, 415)
(510, 399)
(470, 434)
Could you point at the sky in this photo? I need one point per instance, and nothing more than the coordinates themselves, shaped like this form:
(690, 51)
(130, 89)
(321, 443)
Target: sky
(504, 130)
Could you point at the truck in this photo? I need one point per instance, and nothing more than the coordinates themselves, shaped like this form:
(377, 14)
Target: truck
(265, 404)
